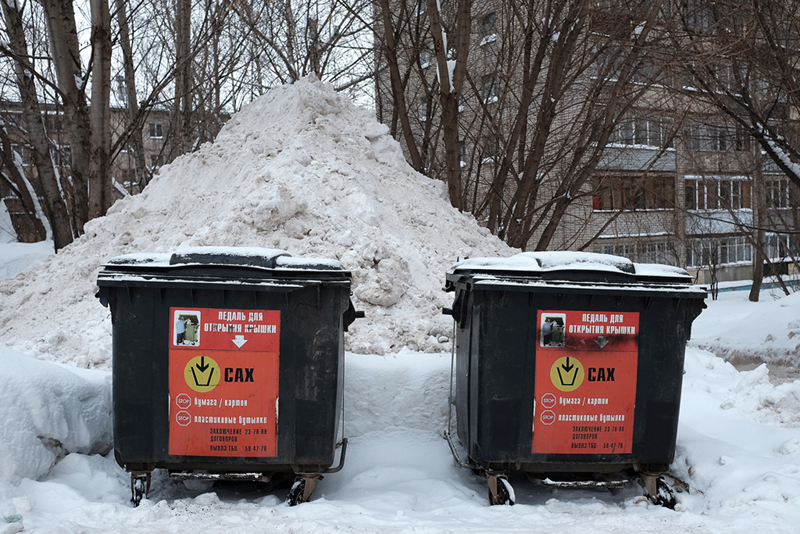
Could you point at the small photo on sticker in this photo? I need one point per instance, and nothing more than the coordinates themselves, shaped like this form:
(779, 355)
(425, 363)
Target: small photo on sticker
(552, 330)
(186, 328)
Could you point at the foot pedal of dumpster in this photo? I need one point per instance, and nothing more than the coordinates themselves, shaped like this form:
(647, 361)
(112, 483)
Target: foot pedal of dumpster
(658, 491)
(500, 490)
(140, 486)
(301, 489)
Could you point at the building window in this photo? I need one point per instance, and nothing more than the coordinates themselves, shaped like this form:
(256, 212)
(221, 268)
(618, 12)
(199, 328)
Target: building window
(778, 247)
(608, 65)
(424, 106)
(655, 252)
(698, 15)
(425, 58)
(712, 194)
(156, 161)
(155, 131)
(25, 154)
(642, 132)
(54, 123)
(619, 249)
(734, 250)
(725, 251)
(644, 252)
(488, 23)
(62, 156)
(777, 193)
(18, 120)
(490, 149)
(631, 193)
(708, 138)
(489, 28)
(488, 89)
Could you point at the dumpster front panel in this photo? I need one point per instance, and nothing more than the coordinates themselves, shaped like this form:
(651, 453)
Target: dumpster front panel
(585, 385)
(223, 383)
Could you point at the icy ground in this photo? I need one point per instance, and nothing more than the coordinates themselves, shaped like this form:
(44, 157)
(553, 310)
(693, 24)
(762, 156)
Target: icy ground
(305, 171)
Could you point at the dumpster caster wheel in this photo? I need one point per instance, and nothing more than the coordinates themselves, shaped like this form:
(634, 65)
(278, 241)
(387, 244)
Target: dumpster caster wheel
(302, 488)
(658, 491)
(500, 490)
(140, 487)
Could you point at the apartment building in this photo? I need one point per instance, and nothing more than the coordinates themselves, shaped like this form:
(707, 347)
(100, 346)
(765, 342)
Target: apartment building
(678, 183)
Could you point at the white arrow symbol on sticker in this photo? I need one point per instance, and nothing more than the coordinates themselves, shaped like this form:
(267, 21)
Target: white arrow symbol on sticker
(601, 341)
(239, 341)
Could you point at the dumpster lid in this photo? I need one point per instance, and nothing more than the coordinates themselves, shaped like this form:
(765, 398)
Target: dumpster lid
(264, 258)
(583, 265)
(538, 262)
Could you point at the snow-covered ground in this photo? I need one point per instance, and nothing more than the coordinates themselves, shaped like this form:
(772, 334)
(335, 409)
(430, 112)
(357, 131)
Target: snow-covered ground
(738, 445)
(738, 449)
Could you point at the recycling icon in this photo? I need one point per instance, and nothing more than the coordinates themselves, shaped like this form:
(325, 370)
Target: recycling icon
(567, 373)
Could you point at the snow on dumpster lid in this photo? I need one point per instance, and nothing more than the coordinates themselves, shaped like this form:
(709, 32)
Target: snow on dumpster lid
(142, 259)
(235, 256)
(539, 262)
(316, 264)
(660, 270)
(265, 258)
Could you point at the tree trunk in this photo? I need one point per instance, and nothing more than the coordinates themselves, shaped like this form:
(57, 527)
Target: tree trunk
(398, 96)
(450, 89)
(182, 101)
(55, 206)
(757, 242)
(131, 95)
(67, 63)
(314, 46)
(20, 186)
(100, 187)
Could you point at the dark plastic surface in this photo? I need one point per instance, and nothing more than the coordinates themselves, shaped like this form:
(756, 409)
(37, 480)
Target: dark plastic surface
(315, 310)
(496, 352)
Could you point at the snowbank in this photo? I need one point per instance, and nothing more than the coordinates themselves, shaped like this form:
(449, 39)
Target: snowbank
(49, 411)
(19, 256)
(767, 331)
(301, 169)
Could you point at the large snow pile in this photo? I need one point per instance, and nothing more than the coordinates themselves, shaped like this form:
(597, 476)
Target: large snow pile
(302, 169)
(49, 411)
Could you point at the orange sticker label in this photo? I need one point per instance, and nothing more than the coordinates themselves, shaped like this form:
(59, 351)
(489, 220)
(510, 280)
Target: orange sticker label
(223, 382)
(585, 386)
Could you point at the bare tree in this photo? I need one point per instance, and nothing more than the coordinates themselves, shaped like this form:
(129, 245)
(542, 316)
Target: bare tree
(131, 95)
(13, 181)
(741, 62)
(46, 175)
(451, 82)
(65, 53)
(100, 190)
(520, 128)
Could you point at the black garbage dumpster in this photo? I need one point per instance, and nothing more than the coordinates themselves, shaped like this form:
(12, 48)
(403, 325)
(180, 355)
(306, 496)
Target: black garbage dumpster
(227, 364)
(568, 367)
